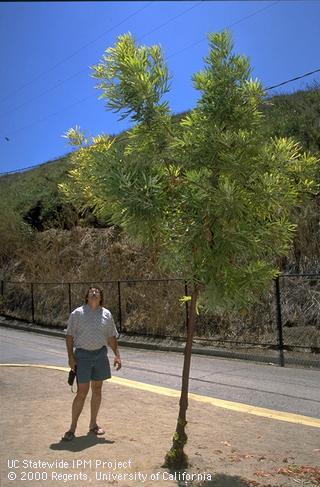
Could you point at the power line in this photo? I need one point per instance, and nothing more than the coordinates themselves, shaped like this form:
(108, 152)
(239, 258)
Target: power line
(32, 167)
(85, 69)
(53, 114)
(91, 96)
(170, 20)
(256, 12)
(140, 38)
(172, 55)
(94, 95)
(43, 93)
(75, 52)
(293, 79)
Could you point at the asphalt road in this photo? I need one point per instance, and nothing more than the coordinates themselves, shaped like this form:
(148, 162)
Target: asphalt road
(284, 389)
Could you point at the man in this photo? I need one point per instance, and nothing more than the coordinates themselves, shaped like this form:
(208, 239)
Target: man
(90, 327)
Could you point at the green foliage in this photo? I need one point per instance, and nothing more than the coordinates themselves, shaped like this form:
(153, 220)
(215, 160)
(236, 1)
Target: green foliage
(86, 173)
(229, 96)
(133, 79)
(34, 198)
(212, 196)
(74, 136)
(13, 231)
(295, 115)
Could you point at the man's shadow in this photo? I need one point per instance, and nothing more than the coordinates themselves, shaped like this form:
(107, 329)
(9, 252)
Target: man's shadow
(80, 443)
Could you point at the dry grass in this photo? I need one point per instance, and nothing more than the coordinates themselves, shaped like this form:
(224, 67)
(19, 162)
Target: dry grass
(98, 255)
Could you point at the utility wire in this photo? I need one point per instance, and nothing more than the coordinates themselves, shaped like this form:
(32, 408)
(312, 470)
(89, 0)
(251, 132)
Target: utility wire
(140, 38)
(53, 114)
(172, 55)
(94, 95)
(31, 167)
(256, 12)
(91, 96)
(43, 93)
(292, 79)
(75, 52)
(85, 69)
(170, 20)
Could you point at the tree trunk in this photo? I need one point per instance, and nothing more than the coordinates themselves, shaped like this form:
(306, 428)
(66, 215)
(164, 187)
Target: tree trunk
(176, 457)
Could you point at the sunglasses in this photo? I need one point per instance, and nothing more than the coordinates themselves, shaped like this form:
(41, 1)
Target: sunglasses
(93, 293)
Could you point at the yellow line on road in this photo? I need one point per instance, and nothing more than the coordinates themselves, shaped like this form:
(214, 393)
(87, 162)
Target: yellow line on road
(233, 406)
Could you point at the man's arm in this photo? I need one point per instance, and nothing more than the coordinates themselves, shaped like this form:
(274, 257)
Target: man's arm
(71, 357)
(113, 342)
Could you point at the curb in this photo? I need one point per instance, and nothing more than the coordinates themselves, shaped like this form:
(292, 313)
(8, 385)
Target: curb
(250, 357)
(273, 414)
(143, 345)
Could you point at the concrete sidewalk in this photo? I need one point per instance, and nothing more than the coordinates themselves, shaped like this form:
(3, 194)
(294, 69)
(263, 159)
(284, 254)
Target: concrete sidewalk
(225, 447)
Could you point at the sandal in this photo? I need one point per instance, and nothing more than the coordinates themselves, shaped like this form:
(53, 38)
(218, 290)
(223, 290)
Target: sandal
(68, 436)
(97, 430)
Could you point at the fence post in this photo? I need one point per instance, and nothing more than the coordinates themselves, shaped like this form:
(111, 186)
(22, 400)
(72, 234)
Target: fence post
(2, 295)
(32, 303)
(119, 305)
(279, 323)
(69, 295)
(187, 310)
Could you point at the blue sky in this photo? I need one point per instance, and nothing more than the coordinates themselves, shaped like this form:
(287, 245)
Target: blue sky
(47, 49)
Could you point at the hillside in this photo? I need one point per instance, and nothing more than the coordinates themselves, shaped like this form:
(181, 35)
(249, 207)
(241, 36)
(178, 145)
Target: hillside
(43, 238)
(296, 115)
(32, 203)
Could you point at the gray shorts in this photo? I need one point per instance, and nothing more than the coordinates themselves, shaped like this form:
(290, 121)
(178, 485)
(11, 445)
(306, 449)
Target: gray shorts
(92, 364)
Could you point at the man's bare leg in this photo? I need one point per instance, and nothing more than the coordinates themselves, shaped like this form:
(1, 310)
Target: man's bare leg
(78, 404)
(96, 387)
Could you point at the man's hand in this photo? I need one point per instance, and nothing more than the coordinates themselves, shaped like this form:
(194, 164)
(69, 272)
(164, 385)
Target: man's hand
(72, 362)
(112, 341)
(117, 363)
(72, 358)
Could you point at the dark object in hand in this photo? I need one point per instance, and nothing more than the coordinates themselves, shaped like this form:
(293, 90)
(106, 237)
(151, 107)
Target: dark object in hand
(72, 376)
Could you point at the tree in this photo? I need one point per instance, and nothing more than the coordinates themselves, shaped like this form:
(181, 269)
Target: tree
(210, 195)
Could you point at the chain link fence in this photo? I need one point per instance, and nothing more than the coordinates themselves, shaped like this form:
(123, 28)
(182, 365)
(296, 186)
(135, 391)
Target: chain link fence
(283, 328)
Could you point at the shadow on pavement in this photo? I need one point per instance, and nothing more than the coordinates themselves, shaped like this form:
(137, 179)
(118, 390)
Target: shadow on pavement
(80, 443)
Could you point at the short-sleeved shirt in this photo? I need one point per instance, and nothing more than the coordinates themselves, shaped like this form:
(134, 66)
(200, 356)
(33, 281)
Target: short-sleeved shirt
(90, 328)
